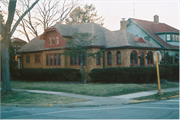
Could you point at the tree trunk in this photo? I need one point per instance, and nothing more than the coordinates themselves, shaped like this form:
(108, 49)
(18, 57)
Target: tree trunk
(5, 67)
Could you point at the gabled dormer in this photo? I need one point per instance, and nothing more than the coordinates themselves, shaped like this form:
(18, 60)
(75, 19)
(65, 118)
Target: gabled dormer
(52, 38)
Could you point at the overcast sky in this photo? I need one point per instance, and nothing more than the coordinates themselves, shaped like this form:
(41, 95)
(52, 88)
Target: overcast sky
(114, 10)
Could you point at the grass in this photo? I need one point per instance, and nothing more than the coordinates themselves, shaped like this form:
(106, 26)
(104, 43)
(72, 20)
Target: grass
(89, 89)
(158, 97)
(19, 97)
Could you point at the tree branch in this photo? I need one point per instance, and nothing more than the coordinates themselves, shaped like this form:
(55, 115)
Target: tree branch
(16, 24)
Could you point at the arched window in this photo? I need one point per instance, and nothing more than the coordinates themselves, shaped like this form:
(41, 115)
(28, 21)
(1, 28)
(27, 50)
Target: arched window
(97, 59)
(109, 58)
(133, 57)
(118, 57)
(149, 57)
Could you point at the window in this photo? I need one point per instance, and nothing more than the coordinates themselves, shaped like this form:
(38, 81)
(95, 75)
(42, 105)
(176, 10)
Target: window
(179, 38)
(118, 57)
(97, 59)
(149, 57)
(27, 58)
(133, 57)
(55, 59)
(37, 58)
(147, 38)
(53, 40)
(59, 59)
(168, 37)
(51, 59)
(72, 60)
(109, 58)
(76, 60)
(57, 40)
(49, 41)
(47, 59)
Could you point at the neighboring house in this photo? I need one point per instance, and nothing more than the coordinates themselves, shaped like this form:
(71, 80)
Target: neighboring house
(157, 33)
(17, 44)
(122, 49)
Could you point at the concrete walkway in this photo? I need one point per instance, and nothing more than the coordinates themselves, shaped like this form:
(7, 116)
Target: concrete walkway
(99, 101)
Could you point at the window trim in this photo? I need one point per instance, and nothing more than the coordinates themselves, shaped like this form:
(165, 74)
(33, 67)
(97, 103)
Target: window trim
(108, 59)
(148, 60)
(79, 60)
(37, 59)
(28, 60)
(133, 59)
(50, 41)
(53, 60)
(118, 58)
(98, 58)
(57, 40)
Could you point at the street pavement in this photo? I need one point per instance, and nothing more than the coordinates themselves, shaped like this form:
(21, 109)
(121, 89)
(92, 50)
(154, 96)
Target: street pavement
(92, 100)
(165, 109)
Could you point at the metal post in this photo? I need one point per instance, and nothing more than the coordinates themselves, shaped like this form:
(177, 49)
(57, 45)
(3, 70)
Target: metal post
(157, 66)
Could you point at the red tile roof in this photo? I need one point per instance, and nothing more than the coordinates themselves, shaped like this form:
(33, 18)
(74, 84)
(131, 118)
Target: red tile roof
(152, 28)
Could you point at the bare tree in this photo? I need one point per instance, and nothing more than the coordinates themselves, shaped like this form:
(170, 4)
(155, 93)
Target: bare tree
(87, 14)
(46, 14)
(6, 31)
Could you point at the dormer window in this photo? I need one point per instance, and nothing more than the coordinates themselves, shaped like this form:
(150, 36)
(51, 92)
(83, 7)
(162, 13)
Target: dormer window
(53, 40)
(168, 37)
(57, 40)
(49, 41)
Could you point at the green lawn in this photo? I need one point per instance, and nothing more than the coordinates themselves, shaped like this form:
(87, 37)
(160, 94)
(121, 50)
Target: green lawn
(89, 89)
(19, 97)
(158, 97)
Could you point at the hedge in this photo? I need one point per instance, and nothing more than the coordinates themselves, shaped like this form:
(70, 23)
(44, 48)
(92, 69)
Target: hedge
(128, 75)
(55, 74)
(174, 71)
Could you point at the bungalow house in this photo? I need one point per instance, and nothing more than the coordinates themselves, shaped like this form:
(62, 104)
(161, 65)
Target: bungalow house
(157, 33)
(122, 49)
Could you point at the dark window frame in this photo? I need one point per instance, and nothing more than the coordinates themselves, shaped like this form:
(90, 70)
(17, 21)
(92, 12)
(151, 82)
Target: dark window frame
(98, 59)
(37, 59)
(52, 60)
(150, 60)
(132, 59)
(118, 58)
(28, 59)
(109, 58)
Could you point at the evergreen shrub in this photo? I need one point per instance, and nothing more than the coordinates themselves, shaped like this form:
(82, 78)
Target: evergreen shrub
(55, 74)
(128, 75)
(174, 71)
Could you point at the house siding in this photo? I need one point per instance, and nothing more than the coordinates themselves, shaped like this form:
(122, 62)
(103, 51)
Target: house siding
(133, 28)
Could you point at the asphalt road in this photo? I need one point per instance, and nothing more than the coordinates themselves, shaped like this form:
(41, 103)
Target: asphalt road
(165, 109)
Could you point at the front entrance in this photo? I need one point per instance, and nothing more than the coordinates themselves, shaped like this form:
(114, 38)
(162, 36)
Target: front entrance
(142, 59)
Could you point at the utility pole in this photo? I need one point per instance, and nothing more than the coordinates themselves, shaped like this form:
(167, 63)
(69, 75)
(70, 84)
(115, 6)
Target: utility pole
(134, 8)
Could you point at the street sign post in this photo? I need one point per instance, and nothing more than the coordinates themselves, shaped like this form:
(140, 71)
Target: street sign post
(157, 59)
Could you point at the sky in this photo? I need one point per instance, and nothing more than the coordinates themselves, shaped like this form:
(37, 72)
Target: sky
(114, 10)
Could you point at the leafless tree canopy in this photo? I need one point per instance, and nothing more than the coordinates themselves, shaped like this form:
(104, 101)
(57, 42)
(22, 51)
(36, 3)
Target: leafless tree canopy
(45, 14)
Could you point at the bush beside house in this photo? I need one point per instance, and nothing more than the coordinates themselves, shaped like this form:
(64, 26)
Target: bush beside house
(128, 75)
(55, 74)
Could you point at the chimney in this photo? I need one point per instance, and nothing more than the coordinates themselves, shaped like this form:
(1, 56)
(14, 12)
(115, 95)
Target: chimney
(156, 19)
(123, 24)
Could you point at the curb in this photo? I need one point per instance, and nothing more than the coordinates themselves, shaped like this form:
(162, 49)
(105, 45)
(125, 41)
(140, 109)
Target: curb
(53, 105)
(151, 100)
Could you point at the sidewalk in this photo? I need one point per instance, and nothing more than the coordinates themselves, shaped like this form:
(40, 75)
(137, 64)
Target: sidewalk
(96, 101)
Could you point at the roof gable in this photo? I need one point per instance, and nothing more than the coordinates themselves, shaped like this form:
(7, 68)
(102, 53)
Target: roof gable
(151, 29)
